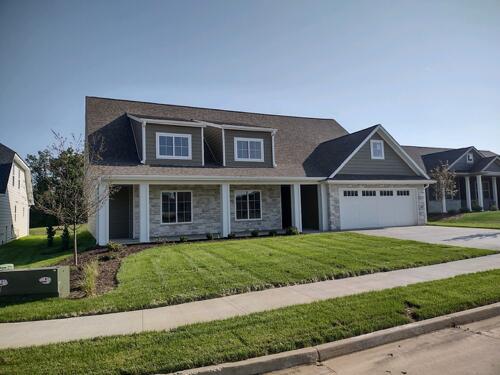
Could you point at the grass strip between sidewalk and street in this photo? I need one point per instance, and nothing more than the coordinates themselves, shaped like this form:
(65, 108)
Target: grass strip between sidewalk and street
(179, 273)
(256, 334)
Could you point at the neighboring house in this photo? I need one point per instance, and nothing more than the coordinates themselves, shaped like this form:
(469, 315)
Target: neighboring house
(16, 195)
(476, 171)
(186, 171)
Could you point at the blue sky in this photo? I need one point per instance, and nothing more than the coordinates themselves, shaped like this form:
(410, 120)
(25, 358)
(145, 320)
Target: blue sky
(429, 71)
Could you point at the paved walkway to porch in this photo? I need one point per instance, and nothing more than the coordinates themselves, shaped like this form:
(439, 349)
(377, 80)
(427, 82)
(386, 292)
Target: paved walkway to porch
(164, 318)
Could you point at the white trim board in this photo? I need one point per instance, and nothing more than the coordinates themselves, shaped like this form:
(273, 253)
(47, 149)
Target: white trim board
(195, 124)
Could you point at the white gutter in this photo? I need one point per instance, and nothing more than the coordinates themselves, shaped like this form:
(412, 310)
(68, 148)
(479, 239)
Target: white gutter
(212, 179)
(378, 182)
(195, 124)
(239, 127)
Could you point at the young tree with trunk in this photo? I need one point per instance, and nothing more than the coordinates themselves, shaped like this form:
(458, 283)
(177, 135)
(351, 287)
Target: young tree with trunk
(71, 193)
(446, 184)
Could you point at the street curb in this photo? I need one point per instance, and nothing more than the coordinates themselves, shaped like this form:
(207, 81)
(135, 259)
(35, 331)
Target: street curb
(274, 362)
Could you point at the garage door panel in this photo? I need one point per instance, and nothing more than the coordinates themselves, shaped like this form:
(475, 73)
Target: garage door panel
(377, 211)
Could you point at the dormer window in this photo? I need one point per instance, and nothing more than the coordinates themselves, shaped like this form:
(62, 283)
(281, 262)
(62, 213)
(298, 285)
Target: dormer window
(377, 149)
(470, 158)
(248, 149)
(173, 146)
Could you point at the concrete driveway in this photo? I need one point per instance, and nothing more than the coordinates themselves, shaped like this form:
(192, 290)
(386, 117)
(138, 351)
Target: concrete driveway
(469, 237)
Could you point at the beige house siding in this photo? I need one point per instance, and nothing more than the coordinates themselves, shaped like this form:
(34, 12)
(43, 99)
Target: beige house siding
(14, 207)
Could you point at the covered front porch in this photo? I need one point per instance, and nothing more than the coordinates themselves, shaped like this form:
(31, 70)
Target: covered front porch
(157, 211)
(479, 192)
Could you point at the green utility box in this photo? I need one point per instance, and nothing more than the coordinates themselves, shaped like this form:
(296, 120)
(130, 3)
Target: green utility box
(46, 282)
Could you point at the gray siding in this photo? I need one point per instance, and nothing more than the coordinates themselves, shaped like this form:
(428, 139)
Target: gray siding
(495, 167)
(152, 129)
(137, 132)
(213, 139)
(362, 163)
(229, 136)
(462, 165)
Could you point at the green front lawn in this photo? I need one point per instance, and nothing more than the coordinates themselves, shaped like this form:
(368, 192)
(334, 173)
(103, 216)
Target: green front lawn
(173, 274)
(257, 334)
(32, 251)
(487, 219)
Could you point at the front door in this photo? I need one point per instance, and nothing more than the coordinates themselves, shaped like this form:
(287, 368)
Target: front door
(120, 216)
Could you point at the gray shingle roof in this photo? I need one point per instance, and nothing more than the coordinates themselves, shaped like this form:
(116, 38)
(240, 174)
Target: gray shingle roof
(6, 160)
(296, 138)
(430, 157)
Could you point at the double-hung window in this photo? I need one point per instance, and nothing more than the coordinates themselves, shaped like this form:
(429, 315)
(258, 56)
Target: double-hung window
(176, 207)
(248, 205)
(377, 149)
(248, 149)
(173, 146)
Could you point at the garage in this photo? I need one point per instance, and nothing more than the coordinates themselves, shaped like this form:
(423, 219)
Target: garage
(375, 208)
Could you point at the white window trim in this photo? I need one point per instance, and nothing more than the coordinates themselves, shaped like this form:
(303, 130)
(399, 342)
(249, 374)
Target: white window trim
(247, 191)
(176, 207)
(374, 141)
(244, 139)
(188, 136)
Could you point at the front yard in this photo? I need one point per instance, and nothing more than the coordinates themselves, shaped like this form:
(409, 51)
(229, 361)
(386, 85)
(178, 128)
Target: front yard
(486, 219)
(32, 251)
(256, 334)
(172, 274)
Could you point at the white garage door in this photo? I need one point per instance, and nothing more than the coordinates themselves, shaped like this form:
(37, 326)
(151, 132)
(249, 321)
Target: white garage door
(374, 208)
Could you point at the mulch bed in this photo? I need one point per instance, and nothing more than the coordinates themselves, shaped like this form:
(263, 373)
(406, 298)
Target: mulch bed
(109, 263)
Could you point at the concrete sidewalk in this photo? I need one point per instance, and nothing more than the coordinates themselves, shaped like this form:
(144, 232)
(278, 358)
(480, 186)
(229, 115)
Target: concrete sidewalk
(164, 318)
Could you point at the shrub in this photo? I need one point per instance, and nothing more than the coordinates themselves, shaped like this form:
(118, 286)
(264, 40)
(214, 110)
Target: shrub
(183, 239)
(255, 233)
(115, 246)
(493, 207)
(231, 235)
(50, 235)
(477, 208)
(452, 212)
(273, 233)
(88, 283)
(292, 231)
(464, 210)
(65, 238)
(210, 236)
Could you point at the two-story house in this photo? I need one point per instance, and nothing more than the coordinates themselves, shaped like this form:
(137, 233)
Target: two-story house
(186, 171)
(16, 195)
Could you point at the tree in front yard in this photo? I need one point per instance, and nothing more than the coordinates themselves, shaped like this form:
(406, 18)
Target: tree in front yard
(71, 194)
(446, 184)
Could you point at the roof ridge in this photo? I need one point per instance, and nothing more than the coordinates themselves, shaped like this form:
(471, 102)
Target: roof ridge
(214, 109)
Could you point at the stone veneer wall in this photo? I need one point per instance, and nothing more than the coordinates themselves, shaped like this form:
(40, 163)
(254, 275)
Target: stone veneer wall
(334, 201)
(206, 211)
(271, 209)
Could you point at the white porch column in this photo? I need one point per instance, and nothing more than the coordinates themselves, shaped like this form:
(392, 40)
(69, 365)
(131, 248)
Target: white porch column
(495, 192)
(144, 212)
(443, 201)
(323, 207)
(467, 193)
(225, 208)
(296, 207)
(480, 200)
(103, 214)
